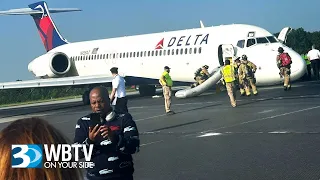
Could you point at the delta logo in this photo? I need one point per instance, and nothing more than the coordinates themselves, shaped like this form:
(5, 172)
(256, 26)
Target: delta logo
(198, 39)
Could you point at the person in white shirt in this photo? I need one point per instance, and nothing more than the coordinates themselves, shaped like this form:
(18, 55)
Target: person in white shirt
(314, 57)
(118, 94)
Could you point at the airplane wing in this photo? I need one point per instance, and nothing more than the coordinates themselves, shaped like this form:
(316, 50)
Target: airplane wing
(67, 81)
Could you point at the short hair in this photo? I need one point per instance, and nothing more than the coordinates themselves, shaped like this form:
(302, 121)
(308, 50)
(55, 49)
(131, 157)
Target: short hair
(102, 91)
(32, 131)
(227, 62)
(114, 70)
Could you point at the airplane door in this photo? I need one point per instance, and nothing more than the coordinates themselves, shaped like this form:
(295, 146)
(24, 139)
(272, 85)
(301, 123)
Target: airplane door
(225, 51)
(284, 33)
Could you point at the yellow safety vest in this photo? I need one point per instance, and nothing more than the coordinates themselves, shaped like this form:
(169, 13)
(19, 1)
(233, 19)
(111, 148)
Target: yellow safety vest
(228, 74)
(167, 78)
(308, 62)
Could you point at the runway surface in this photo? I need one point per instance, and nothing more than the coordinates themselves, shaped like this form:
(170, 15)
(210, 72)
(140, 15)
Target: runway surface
(275, 135)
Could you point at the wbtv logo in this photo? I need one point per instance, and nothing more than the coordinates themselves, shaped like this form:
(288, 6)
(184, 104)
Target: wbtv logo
(26, 156)
(32, 156)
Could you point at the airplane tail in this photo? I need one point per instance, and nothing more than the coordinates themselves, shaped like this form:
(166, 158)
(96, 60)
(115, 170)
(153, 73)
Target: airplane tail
(49, 33)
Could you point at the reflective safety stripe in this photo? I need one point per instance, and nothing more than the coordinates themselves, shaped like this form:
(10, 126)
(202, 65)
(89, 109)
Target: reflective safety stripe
(308, 62)
(228, 73)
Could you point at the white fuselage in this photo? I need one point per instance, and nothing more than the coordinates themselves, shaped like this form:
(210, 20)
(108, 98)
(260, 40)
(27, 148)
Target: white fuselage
(188, 50)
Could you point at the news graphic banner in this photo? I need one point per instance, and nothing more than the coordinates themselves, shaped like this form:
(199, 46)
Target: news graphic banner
(50, 156)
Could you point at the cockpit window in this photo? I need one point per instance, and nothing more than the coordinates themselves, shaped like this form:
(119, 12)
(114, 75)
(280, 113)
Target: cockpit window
(262, 40)
(251, 42)
(240, 44)
(271, 39)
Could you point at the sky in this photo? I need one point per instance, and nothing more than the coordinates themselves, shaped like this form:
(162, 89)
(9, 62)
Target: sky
(20, 42)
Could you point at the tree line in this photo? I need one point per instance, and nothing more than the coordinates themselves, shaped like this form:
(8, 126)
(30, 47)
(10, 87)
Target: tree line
(301, 40)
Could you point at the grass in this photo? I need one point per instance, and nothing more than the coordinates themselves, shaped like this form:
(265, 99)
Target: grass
(50, 100)
(40, 101)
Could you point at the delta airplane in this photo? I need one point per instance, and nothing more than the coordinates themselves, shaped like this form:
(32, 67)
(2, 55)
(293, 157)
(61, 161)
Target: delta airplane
(141, 58)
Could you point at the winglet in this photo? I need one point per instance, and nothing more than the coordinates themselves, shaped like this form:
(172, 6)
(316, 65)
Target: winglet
(201, 24)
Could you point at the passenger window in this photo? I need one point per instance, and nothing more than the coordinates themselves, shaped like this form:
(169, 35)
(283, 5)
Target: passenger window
(172, 51)
(168, 52)
(130, 54)
(195, 51)
(152, 53)
(199, 50)
(186, 51)
(156, 53)
(177, 51)
(120, 55)
(137, 54)
(160, 53)
(190, 50)
(262, 40)
(114, 55)
(148, 53)
(164, 52)
(251, 42)
(240, 44)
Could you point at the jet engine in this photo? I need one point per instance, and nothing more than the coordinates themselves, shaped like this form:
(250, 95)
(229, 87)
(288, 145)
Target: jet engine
(51, 65)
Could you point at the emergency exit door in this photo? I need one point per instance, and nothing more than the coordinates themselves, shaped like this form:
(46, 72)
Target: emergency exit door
(225, 51)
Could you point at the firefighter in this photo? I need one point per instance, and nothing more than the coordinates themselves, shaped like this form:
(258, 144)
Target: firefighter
(238, 81)
(201, 75)
(228, 75)
(246, 74)
(284, 62)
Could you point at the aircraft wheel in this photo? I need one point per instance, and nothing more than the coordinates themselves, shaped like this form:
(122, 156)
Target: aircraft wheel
(147, 90)
(85, 98)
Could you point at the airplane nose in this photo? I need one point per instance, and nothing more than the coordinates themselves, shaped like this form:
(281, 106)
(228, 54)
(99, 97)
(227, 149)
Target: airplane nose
(298, 66)
(30, 67)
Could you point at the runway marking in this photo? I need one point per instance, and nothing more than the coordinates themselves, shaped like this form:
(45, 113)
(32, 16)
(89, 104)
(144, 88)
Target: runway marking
(272, 132)
(261, 119)
(210, 134)
(151, 117)
(278, 132)
(13, 118)
(183, 104)
(265, 111)
(151, 143)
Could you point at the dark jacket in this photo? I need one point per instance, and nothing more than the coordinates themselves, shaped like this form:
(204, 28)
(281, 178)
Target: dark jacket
(111, 158)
